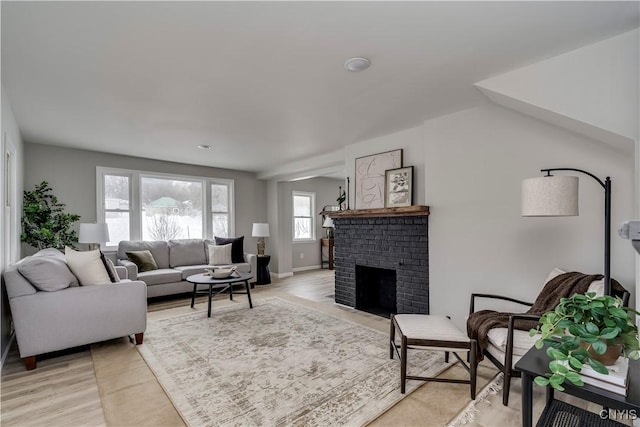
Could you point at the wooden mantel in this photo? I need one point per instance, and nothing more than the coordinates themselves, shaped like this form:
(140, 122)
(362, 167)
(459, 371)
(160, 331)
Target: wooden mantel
(417, 210)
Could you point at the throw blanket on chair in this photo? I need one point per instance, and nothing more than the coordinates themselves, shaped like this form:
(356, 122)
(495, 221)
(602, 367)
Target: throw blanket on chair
(562, 286)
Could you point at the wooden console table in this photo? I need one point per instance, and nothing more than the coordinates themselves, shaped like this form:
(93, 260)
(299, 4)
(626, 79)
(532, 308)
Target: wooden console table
(326, 243)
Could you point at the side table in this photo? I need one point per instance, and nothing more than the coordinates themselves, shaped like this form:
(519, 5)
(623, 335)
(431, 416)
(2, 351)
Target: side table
(328, 244)
(263, 276)
(536, 362)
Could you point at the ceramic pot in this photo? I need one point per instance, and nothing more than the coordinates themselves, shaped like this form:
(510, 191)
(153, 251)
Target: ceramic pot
(609, 357)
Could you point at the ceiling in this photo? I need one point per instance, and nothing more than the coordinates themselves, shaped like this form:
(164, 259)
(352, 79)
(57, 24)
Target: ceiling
(263, 83)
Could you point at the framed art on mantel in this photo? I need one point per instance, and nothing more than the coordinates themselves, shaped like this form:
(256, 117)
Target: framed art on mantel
(370, 178)
(398, 187)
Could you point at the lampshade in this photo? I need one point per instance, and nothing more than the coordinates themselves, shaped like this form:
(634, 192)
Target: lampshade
(328, 223)
(260, 229)
(93, 233)
(550, 196)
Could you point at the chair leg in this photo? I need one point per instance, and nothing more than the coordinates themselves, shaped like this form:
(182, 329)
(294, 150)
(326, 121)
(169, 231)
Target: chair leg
(506, 386)
(473, 365)
(446, 357)
(392, 338)
(139, 338)
(403, 364)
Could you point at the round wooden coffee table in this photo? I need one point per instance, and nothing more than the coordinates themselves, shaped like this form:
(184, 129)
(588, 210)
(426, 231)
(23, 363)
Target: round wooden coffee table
(220, 285)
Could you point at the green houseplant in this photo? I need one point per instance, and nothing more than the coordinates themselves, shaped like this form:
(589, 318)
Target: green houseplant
(45, 224)
(580, 330)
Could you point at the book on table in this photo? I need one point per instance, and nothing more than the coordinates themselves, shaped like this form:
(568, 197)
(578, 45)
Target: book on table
(616, 381)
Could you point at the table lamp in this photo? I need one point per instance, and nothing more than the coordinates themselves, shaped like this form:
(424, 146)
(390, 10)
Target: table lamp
(329, 226)
(93, 234)
(260, 230)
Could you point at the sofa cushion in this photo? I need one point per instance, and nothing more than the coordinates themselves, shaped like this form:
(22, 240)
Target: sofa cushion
(159, 249)
(237, 248)
(87, 266)
(47, 273)
(190, 270)
(522, 342)
(50, 252)
(186, 252)
(160, 276)
(220, 255)
(143, 259)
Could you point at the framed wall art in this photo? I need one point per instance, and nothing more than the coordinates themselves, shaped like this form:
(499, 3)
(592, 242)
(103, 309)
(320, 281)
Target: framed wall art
(370, 178)
(398, 187)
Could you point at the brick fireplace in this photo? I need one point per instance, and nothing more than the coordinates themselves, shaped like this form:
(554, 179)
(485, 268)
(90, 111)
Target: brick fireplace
(382, 260)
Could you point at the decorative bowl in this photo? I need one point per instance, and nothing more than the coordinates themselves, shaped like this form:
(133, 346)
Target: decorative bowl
(221, 273)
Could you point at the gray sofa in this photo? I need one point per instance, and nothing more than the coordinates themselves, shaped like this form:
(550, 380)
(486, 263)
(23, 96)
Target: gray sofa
(176, 260)
(57, 319)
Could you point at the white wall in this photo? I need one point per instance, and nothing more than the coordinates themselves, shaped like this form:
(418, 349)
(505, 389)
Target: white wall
(475, 161)
(72, 175)
(596, 85)
(411, 142)
(287, 256)
(9, 241)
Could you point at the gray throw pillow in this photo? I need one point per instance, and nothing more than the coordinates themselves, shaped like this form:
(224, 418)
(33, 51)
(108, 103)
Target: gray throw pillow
(47, 273)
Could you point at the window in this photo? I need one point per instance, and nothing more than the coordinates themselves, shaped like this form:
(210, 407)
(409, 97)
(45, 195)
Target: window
(150, 206)
(171, 208)
(220, 209)
(116, 207)
(304, 225)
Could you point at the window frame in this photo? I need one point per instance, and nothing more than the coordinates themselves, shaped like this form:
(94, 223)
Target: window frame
(229, 183)
(135, 201)
(312, 217)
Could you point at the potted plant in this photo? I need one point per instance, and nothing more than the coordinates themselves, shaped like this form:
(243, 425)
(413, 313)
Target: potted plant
(581, 329)
(45, 224)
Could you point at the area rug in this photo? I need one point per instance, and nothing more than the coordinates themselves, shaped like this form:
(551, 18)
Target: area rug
(277, 364)
(468, 414)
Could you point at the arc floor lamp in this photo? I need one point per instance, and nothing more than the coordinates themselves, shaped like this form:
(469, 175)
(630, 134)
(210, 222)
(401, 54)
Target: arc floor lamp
(557, 195)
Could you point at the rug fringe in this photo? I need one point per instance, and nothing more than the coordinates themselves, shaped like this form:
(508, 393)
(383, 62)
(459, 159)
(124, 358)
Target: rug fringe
(468, 414)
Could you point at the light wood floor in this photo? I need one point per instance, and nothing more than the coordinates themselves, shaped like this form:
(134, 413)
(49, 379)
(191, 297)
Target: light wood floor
(109, 383)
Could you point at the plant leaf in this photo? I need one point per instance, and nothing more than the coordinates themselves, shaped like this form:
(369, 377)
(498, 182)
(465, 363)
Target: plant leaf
(599, 347)
(575, 378)
(541, 381)
(575, 363)
(598, 367)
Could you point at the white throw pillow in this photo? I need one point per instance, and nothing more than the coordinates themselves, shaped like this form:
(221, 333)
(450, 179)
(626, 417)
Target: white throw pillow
(220, 255)
(87, 267)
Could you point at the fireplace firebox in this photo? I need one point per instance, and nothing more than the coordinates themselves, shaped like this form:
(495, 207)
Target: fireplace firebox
(376, 290)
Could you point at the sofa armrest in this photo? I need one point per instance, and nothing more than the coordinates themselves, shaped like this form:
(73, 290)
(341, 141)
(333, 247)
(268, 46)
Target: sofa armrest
(132, 268)
(253, 262)
(51, 321)
(122, 271)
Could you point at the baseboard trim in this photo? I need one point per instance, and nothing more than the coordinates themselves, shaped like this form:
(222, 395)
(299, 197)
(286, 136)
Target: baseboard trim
(311, 267)
(6, 350)
(282, 275)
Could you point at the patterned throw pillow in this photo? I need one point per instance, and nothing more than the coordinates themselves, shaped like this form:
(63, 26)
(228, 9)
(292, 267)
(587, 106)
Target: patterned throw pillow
(220, 255)
(143, 259)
